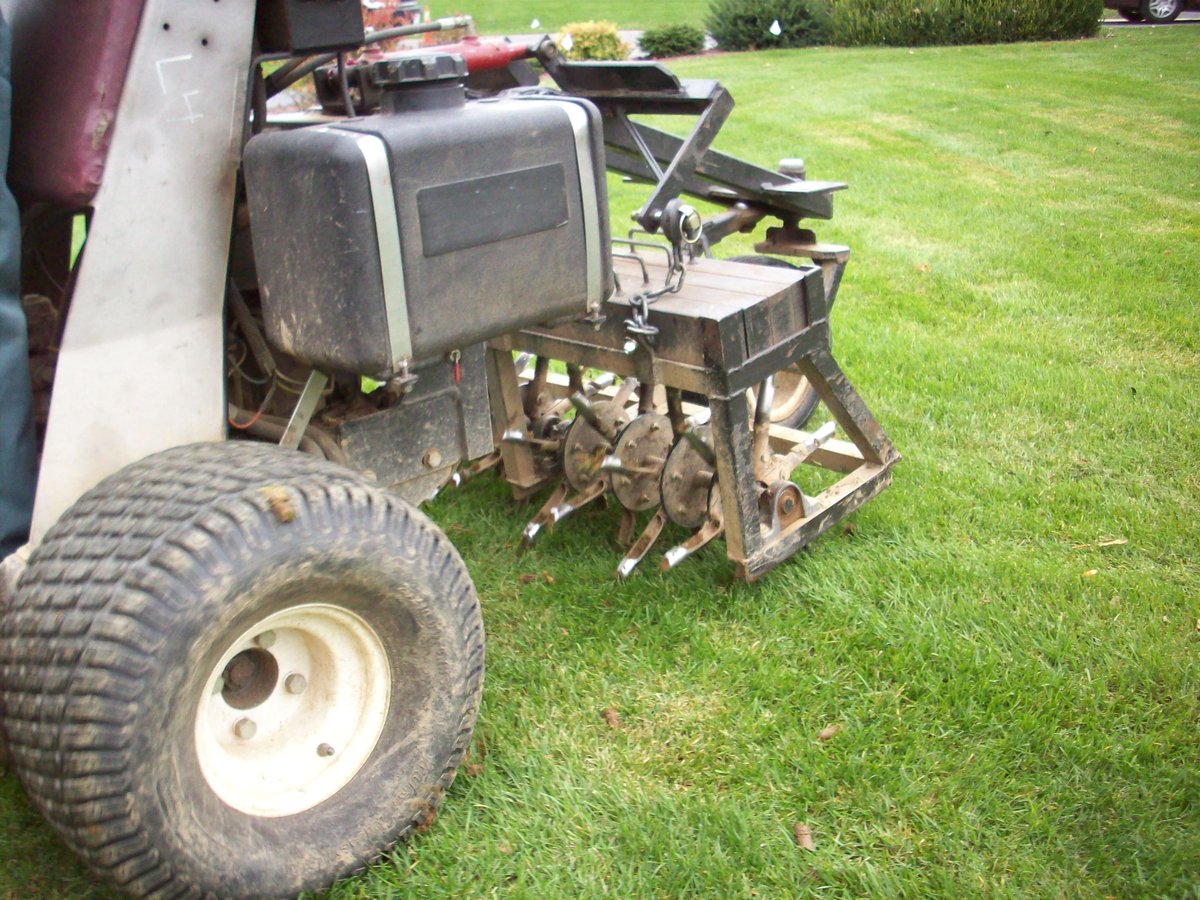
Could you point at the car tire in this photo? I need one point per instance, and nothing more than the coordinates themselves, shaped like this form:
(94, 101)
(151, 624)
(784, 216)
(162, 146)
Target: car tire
(235, 670)
(1159, 12)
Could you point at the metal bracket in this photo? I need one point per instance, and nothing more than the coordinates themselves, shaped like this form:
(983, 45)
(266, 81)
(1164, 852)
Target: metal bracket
(305, 407)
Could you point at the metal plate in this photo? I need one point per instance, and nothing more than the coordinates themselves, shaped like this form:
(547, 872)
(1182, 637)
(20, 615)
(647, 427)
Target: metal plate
(687, 482)
(644, 444)
(585, 448)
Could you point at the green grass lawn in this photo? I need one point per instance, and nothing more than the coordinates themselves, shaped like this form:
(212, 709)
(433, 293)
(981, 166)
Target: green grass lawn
(1017, 697)
(512, 17)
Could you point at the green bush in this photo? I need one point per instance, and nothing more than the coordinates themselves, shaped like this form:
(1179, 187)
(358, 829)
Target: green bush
(914, 23)
(593, 40)
(746, 24)
(672, 40)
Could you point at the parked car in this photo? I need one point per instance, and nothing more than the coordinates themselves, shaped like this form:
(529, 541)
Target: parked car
(1153, 11)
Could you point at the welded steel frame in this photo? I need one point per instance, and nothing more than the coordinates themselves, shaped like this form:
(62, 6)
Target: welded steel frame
(864, 461)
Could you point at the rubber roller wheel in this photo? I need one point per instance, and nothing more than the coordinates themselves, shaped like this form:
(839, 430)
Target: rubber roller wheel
(795, 397)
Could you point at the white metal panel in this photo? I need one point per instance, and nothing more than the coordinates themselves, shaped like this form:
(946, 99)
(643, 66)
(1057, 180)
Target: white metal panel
(141, 365)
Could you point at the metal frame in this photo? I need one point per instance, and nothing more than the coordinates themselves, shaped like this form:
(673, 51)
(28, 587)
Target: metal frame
(720, 348)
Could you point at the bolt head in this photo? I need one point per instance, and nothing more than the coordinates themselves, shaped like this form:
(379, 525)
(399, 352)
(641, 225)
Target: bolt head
(245, 728)
(324, 750)
(432, 458)
(630, 346)
(266, 640)
(295, 683)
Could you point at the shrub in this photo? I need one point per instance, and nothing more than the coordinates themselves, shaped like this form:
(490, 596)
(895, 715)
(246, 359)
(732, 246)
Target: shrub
(914, 23)
(672, 40)
(593, 40)
(746, 24)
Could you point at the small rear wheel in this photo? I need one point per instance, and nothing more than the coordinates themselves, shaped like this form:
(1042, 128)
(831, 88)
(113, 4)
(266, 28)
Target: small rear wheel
(795, 397)
(235, 670)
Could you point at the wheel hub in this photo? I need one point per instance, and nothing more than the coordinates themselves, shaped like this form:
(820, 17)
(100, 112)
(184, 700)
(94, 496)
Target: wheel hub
(292, 710)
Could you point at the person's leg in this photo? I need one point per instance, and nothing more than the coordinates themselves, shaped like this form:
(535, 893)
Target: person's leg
(18, 465)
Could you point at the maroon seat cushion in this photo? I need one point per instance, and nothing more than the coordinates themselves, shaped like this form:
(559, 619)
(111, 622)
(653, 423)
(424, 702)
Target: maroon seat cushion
(69, 64)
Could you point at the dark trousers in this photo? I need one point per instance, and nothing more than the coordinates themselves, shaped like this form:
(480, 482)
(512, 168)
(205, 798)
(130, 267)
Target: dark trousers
(18, 465)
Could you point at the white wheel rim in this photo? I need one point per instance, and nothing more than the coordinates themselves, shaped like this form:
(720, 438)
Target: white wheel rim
(271, 744)
(1160, 9)
(790, 390)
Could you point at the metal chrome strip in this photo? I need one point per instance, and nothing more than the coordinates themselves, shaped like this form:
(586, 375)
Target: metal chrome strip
(587, 193)
(387, 233)
(391, 259)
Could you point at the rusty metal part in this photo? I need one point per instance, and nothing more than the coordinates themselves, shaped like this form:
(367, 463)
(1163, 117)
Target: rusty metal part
(642, 448)
(784, 504)
(625, 529)
(481, 465)
(687, 480)
(576, 502)
(544, 515)
(713, 528)
(643, 544)
(731, 327)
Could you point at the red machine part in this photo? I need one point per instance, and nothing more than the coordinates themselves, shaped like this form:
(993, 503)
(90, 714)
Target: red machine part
(483, 56)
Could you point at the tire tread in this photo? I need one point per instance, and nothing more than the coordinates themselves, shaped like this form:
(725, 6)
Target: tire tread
(84, 627)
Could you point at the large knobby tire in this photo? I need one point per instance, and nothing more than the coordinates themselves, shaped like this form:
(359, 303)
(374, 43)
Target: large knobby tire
(235, 670)
(1159, 12)
(795, 398)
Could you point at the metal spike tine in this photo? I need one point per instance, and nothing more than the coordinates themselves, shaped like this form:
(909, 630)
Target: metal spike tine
(515, 436)
(463, 475)
(823, 434)
(625, 391)
(700, 446)
(599, 383)
(625, 531)
(534, 528)
(580, 500)
(642, 545)
(583, 406)
(585, 409)
(615, 465)
(711, 529)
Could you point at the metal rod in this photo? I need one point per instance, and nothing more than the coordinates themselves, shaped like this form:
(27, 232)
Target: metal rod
(305, 407)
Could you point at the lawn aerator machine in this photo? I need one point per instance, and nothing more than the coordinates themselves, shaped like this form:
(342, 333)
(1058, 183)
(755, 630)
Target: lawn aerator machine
(235, 659)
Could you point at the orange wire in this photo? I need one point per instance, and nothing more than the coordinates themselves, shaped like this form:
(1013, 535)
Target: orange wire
(258, 415)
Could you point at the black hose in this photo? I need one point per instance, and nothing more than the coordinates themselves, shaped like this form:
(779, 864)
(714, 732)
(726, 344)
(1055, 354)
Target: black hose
(275, 84)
